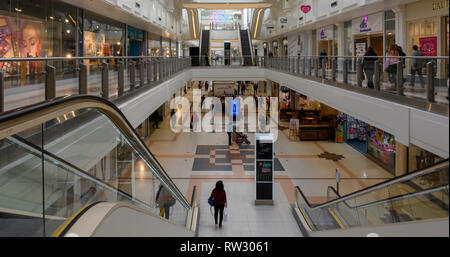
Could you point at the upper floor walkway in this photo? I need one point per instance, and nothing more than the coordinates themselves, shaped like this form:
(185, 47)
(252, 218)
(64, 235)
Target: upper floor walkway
(138, 86)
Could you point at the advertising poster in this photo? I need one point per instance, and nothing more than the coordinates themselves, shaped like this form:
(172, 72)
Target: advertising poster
(93, 43)
(360, 49)
(20, 38)
(428, 46)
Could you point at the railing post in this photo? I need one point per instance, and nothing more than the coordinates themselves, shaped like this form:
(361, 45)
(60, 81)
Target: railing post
(105, 81)
(345, 72)
(310, 66)
(149, 71)
(2, 91)
(82, 79)
(304, 65)
(132, 75)
(377, 80)
(155, 69)
(430, 86)
(294, 64)
(333, 68)
(400, 89)
(316, 61)
(120, 78)
(50, 82)
(141, 73)
(324, 69)
(162, 67)
(359, 72)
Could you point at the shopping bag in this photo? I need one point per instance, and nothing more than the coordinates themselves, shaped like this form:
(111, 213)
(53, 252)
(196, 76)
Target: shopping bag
(225, 215)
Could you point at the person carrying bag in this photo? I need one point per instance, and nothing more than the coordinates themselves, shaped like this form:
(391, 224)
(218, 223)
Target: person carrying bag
(219, 198)
(164, 200)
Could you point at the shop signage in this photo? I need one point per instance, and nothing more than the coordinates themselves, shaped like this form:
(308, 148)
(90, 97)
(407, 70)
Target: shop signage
(283, 20)
(325, 33)
(428, 46)
(438, 5)
(368, 24)
(305, 8)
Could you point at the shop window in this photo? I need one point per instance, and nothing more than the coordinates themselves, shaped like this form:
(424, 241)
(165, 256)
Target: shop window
(101, 38)
(419, 158)
(36, 29)
(381, 147)
(421, 29)
(389, 28)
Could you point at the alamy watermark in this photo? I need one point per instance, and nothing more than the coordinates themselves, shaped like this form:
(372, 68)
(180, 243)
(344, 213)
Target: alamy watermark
(245, 115)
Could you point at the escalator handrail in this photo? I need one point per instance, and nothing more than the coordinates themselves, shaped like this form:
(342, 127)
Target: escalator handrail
(69, 166)
(394, 198)
(378, 186)
(21, 119)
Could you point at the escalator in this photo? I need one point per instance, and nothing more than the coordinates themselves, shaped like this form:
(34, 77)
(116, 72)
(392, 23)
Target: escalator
(246, 47)
(204, 48)
(418, 196)
(75, 157)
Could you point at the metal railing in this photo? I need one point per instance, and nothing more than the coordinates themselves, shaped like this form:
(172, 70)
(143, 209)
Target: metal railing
(110, 77)
(417, 77)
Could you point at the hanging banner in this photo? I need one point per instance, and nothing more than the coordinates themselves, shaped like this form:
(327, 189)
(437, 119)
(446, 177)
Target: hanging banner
(428, 46)
(368, 24)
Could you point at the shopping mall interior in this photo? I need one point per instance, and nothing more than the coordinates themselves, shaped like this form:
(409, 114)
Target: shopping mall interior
(203, 118)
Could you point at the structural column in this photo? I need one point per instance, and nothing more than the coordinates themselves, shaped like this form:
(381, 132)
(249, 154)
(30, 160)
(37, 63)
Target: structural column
(341, 44)
(401, 32)
(401, 157)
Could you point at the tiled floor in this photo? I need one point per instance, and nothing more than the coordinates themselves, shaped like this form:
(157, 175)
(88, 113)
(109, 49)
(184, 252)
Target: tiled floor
(244, 218)
(300, 161)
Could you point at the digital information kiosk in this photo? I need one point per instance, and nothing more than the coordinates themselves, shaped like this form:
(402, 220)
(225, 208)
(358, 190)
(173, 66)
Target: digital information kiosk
(264, 169)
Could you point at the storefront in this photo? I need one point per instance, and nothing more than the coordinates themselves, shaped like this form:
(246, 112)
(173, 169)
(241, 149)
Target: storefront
(327, 40)
(166, 48)
(153, 45)
(428, 28)
(368, 31)
(102, 37)
(419, 158)
(135, 42)
(373, 142)
(355, 133)
(381, 148)
(36, 29)
(275, 48)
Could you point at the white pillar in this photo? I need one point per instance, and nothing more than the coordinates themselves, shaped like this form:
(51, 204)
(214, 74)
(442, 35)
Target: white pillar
(401, 31)
(310, 43)
(340, 43)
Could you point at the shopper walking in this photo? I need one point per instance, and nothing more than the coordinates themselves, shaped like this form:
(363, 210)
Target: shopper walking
(403, 60)
(219, 196)
(369, 66)
(323, 56)
(164, 200)
(156, 119)
(255, 89)
(416, 67)
(390, 65)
